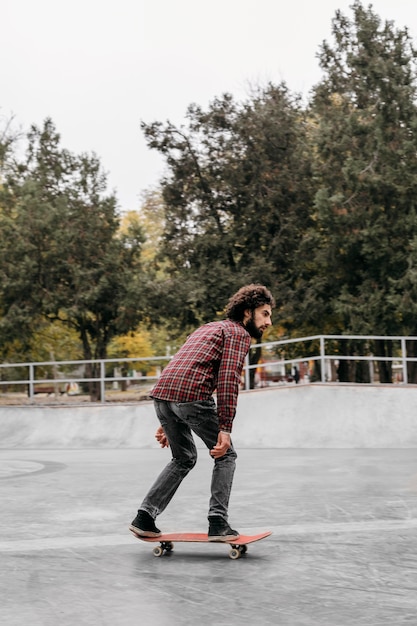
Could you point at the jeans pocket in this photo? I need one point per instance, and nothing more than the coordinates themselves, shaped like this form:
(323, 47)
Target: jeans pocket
(198, 412)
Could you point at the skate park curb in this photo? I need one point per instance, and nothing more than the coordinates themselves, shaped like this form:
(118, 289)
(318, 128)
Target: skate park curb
(294, 416)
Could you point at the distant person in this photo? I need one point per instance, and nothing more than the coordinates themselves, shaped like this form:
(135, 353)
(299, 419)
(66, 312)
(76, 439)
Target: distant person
(211, 359)
(296, 375)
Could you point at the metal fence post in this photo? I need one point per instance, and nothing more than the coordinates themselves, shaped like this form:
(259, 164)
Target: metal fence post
(322, 359)
(102, 382)
(404, 360)
(31, 381)
(247, 372)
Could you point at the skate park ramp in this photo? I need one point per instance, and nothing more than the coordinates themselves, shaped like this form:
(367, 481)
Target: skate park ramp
(296, 416)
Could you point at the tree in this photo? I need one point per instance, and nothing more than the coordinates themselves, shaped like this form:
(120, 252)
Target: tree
(8, 139)
(236, 199)
(151, 218)
(355, 260)
(62, 255)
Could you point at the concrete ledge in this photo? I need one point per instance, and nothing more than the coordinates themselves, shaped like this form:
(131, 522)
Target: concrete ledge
(329, 416)
(116, 426)
(299, 416)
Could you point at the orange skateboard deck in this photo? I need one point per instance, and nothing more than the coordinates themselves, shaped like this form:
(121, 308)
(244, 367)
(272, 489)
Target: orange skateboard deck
(238, 546)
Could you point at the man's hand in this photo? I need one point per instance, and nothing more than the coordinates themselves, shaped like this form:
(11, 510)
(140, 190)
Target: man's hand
(161, 438)
(222, 446)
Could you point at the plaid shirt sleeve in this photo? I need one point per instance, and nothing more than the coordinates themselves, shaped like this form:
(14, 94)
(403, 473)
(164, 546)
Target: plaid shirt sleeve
(235, 349)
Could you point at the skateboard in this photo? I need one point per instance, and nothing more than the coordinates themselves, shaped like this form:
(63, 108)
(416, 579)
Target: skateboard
(238, 546)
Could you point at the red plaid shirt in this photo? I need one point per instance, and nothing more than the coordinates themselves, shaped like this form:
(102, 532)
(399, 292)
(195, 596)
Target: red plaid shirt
(212, 358)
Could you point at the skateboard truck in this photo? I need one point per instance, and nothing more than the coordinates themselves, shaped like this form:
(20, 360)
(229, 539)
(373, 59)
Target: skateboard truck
(235, 552)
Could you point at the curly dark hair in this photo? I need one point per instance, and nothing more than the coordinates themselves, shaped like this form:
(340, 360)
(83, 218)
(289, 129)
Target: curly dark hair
(248, 297)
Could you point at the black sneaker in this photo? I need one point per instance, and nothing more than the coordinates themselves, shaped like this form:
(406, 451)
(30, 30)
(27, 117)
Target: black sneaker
(144, 526)
(219, 530)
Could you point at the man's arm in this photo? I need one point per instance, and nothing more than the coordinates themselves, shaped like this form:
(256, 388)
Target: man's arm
(235, 349)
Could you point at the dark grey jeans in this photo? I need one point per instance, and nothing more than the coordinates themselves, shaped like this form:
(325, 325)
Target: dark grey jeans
(178, 419)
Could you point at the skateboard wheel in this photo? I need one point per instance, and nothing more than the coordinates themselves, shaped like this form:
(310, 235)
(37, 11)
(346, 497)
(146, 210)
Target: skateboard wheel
(234, 553)
(243, 549)
(158, 551)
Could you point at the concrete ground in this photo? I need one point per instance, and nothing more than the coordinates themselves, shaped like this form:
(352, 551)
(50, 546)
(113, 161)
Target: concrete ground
(343, 550)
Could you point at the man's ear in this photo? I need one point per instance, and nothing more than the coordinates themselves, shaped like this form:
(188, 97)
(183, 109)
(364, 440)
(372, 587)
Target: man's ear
(247, 314)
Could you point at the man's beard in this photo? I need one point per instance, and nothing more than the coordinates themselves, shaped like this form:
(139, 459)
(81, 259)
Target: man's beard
(252, 329)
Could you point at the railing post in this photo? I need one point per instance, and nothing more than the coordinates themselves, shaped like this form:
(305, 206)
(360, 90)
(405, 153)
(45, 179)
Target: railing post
(31, 381)
(102, 382)
(322, 360)
(247, 372)
(404, 360)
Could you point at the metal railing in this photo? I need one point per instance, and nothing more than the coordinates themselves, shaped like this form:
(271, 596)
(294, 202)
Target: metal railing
(318, 358)
(328, 362)
(61, 383)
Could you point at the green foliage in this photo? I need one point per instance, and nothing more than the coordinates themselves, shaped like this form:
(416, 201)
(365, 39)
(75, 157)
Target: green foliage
(52, 341)
(236, 199)
(62, 256)
(355, 259)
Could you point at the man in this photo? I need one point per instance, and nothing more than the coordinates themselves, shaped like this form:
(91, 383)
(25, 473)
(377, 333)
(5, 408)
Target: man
(211, 359)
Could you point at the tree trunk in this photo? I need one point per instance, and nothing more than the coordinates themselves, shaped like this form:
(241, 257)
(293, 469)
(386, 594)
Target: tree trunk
(92, 370)
(412, 365)
(384, 348)
(254, 357)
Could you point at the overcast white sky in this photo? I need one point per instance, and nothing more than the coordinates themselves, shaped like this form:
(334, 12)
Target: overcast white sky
(99, 67)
